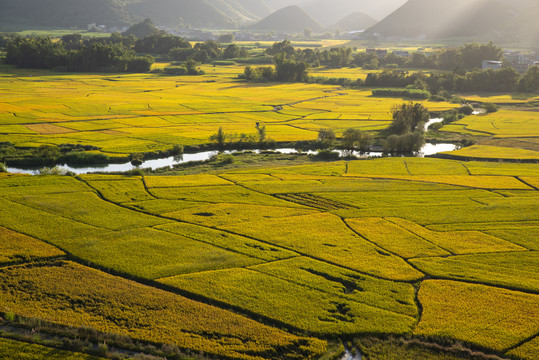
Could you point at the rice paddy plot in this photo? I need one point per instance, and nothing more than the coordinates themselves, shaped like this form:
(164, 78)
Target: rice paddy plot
(218, 194)
(523, 236)
(496, 168)
(478, 182)
(224, 214)
(388, 295)
(377, 199)
(518, 270)
(302, 307)
(326, 237)
(324, 184)
(88, 208)
(459, 242)
(503, 123)
(151, 254)
(121, 191)
(74, 295)
(160, 206)
(494, 152)
(447, 216)
(41, 224)
(186, 180)
(431, 166)
(13, 184)
(228, 241)
(394, 238)
(16, 247)
(478, 314)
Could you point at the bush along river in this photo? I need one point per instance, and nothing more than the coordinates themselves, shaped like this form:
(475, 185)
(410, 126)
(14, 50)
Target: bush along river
(427, 150)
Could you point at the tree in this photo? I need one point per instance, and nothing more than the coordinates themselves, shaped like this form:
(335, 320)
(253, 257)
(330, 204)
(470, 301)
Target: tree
(261, 133)
(219, 137)
(409, 143)
(409, 118)
(227, 38)
(530, 80)
(355, 139)
(142, 29)
(473, 54)
(326, 137)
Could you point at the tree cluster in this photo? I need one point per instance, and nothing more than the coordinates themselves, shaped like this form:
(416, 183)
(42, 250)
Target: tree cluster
(407, 129)
(75, 55)
(503, 80)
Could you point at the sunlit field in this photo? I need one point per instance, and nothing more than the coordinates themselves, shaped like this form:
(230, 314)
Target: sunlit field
(122, 114)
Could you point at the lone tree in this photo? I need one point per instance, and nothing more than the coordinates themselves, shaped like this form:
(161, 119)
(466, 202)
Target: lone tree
(409, 118)
(326, 137)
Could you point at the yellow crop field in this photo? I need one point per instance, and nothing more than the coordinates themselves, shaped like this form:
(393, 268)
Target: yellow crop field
(105, 302)
(225, 214)
(122, 191)
(388, 295)
(128, 113)
(459, 242)
(332, 242)
(16, 247)
(479, 182)
(486, 316)
(319, 312)
(494, 152)
(515, 269)
(394, 238)
(503, 123)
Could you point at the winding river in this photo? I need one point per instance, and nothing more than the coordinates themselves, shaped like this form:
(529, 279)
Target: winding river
(428, 149)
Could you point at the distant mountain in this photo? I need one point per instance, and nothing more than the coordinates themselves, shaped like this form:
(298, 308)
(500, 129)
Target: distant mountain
(64, 13)
(355, 21)
(524, 27)
(260, 8)
(328, 12)
(442, 18)
(171, 13)
(291, 19)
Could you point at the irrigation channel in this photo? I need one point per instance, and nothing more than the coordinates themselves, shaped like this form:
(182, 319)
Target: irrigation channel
(428, 149)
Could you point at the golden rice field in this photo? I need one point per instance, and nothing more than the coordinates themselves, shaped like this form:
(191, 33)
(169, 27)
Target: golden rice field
(122, 114)
(266, 263)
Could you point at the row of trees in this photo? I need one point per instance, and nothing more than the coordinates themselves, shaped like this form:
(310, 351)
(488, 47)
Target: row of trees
(43, 53)
(503, 80)
(469, 56)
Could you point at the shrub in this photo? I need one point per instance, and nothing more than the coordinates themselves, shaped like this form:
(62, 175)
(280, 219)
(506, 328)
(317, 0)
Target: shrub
(228, 159)
(3, 167)
(490, 108)
(82, 157)
(175, 70)
(466, 110)
(327, 155)
(56, 170)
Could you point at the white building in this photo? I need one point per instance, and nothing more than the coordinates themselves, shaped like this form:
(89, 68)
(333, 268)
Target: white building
(492, 64)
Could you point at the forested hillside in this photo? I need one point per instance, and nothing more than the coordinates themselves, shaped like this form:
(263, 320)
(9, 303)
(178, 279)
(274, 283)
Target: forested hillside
(172, 13)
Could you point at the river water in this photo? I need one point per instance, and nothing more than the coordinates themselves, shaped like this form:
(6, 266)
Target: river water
(428, 149)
